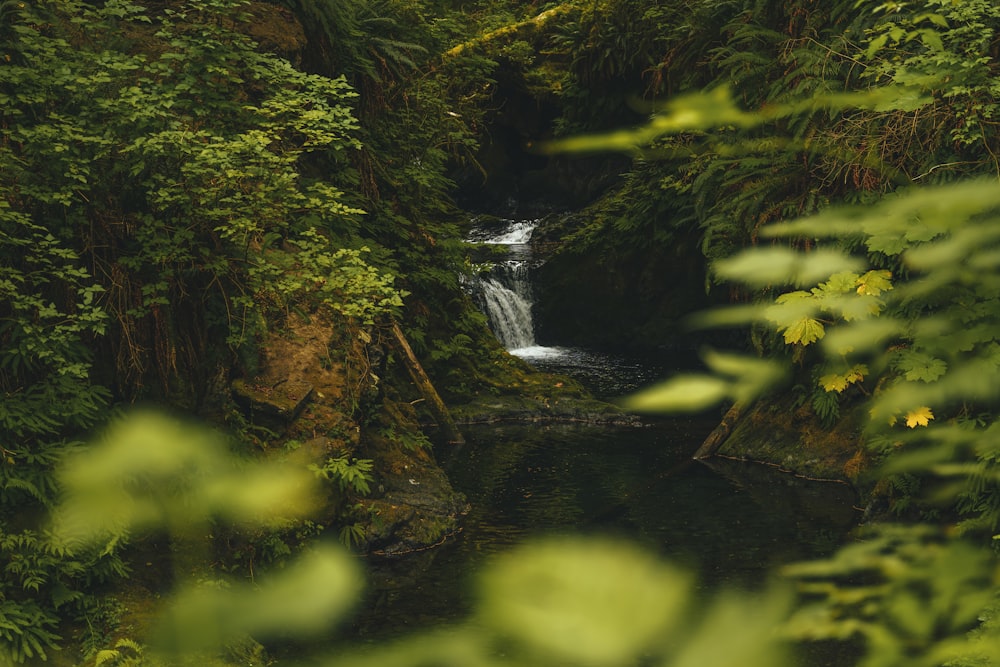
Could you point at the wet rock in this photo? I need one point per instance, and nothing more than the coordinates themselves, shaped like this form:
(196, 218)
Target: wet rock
(417, 510)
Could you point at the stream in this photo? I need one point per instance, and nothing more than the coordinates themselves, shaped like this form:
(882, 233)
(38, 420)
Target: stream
(730, 522)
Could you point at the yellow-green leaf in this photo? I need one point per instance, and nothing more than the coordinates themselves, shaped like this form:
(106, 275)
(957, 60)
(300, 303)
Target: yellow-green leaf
(874, 283)
(792, 296)
(919, 417)
(684, 393)
(805, 331)
(838, 382)
(597, 604)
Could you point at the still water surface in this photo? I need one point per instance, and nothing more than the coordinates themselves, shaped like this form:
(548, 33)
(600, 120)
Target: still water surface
(730, 522)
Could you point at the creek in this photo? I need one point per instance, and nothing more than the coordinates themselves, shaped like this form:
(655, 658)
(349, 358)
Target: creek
(730, 522)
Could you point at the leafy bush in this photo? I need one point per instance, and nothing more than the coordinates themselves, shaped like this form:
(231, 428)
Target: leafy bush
(912, 594)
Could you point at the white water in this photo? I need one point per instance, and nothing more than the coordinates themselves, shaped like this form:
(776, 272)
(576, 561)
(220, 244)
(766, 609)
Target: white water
(515, 232)
(510, 314)
(538, 352)
(505, 294)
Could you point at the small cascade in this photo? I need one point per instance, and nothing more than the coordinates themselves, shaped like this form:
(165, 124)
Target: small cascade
(507, 302)
(513, 233)
(504, 292)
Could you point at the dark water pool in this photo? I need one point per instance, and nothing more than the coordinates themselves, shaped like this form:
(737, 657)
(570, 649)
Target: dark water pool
(730, 522)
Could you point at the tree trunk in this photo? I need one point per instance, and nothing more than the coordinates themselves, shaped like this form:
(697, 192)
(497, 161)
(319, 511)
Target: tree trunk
(419, 376)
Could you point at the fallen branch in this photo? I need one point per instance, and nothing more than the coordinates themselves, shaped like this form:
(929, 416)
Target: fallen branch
(427, 390)
(532, 23)
(721, 432)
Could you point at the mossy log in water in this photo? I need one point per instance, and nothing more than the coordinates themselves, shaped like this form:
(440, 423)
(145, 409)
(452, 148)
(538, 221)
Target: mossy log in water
(533, 396)
(541, 408)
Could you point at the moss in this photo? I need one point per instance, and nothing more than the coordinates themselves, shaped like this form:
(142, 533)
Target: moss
(276, 30)
(284, 400)
(526, 394)
(778, 432)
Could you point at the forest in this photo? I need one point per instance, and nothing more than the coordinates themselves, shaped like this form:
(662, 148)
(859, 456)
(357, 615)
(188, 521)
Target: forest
(236, 332)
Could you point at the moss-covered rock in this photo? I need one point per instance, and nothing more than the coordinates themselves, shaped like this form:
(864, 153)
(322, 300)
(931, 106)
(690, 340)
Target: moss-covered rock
(780, 432)
(414, 506)
(351, 410)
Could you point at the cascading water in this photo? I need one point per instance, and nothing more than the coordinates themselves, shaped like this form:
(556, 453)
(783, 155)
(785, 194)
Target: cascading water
(507, 302)
(504, 291)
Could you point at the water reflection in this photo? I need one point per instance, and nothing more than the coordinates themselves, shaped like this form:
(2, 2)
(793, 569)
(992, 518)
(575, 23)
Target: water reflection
(731, 523)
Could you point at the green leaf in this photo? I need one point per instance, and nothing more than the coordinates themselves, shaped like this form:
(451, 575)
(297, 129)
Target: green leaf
(889, 243)
(839, 283)
(918, 366)
(583, 602)
(804, 332)
(684, 393)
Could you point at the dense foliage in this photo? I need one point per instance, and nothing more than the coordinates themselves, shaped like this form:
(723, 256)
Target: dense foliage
(172, 189)
(855, 104)
(161, 206)
(711, 190)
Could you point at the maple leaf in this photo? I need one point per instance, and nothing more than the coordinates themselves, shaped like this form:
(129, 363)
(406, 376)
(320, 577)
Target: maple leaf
(833, 382)
(805, 331)
(838, 382)
(919, 417)
(886, 241)
(874, 283)
(840, 282)
(919, 366)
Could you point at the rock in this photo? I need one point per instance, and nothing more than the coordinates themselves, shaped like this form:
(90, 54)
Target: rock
(418, 510)
(778, 432)
(277, 405)
(245, 650)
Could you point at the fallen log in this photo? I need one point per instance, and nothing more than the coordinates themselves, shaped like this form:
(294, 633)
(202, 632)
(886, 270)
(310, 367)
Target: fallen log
(427, 390)
(721, 432)
(533, 23)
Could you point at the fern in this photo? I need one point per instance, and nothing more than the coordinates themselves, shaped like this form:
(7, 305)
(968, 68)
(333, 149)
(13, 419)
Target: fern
(26, 631)
(349, 475)
(826, 406)
(126, 653)
(352, 535)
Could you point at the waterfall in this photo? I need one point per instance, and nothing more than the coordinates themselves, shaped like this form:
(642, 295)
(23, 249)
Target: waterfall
(504, 291)
(506, 300)
(513, 233)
